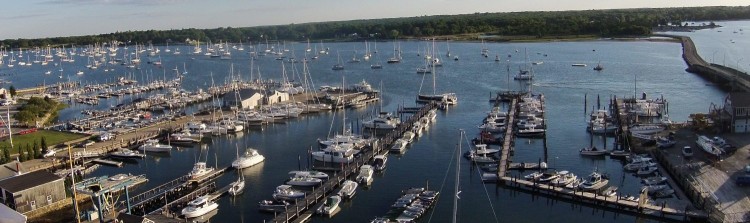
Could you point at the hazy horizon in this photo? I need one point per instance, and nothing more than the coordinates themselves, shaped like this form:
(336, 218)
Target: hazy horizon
(59, 18)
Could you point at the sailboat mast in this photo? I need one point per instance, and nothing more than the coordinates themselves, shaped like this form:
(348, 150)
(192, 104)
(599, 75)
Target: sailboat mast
(458, 168)
(433, 69)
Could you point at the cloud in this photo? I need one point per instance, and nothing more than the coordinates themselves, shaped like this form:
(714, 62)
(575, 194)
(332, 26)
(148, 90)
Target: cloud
(24, 16)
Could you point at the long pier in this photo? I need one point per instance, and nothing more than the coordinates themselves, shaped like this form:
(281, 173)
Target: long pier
(303, 207)
(503, 165)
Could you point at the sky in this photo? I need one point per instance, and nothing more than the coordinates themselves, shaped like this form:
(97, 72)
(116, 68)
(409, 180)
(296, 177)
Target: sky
(54, 18)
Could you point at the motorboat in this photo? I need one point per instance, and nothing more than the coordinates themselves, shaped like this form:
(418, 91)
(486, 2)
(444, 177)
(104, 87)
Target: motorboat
(118, 177)
(708, 145)
(593, 151)
(250, 158)
(548, 176)
(285, 192)
(594, 181)
(348, 189)
(646, 129)
(636, 165)
(398, 146)
(664, 142)
(124, 153)
(199, 170)
(610, 191)
(304, 181)
(330, 206)
(481, 158)
(655, 187)
(482, 149)
(379, 162)
(533, 176)
(385, 120)
(308, 173)
(531, 132)
(365, 174)
(153, 145)
(347, 137)
(198, 207)
(564, 178)
(447, 98)
(647, 170)
(654, 180)
(335, 154)
(185, 138)
(273, 205)
(408, 136)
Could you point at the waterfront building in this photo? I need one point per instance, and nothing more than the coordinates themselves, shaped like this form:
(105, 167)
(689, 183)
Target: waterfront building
(30, 191)
(737, 109)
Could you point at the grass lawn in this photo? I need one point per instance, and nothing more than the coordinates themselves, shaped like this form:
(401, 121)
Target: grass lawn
(52, 138)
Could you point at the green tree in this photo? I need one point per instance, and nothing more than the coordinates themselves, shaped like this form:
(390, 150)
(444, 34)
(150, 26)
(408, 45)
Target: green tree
(12, 90)
(44, 145)
(37, 151)
(29, 152)
(6, 154)
(21, 154)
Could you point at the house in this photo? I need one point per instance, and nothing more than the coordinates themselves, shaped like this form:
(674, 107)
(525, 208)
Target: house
(30, 191)
(737, 106)
(273, 97)
(245, 98)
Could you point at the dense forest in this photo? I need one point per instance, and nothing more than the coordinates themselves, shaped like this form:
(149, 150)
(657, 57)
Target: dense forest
(604, 23)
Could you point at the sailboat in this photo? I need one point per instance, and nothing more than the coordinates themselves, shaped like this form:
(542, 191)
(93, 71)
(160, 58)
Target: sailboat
(377, 64)
(338, 66)
(445, 98)
(448, 44)
(396, 54)
(238, 186)
(599, 67)
(524, 73)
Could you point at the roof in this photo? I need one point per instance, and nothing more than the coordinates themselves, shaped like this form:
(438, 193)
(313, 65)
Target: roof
(9, 170)
(244, 94)
(8, 215)
(128, 218)
(740, 99)
(29, 180)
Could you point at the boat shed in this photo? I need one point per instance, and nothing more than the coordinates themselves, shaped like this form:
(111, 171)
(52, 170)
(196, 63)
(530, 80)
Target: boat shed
(245, 98)
(737, 105)
(30, 191)
(273, 97)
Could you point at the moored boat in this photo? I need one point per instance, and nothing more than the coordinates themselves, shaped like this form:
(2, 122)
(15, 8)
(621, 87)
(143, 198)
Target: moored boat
(198, 207)
(250, 158)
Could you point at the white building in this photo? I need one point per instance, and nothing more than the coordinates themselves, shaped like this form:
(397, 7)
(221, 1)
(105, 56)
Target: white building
(737, 105)
(245, 99)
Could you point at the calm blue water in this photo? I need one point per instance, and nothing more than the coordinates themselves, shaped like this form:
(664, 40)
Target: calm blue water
(657, 67)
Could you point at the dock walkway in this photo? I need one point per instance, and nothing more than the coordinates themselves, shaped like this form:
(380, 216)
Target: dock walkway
(303, 207)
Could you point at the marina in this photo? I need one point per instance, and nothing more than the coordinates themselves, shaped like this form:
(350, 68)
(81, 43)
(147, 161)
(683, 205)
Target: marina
(517, 144)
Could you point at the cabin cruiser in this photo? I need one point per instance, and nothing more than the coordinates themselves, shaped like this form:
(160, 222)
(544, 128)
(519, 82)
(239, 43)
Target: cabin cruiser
(593, 151)
(309, 173)
(379, 162)
(646, 129)
(709, 145)
(330, 205)
(250, 158)
(385, 120)
(398, 146)
(564, 178)
(335, 154)
(153, 145)
(124, 153)
(365, 174)
(408, 136)
(638, 164)
(594, 181)
(198, 207)
(548, 176)
(199, 170)
(304, 181)
(273, 205)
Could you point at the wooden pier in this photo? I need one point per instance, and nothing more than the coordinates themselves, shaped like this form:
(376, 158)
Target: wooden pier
(503, 164)
(303, 208)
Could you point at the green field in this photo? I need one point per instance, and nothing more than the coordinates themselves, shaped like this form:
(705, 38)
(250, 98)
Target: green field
(52, 137)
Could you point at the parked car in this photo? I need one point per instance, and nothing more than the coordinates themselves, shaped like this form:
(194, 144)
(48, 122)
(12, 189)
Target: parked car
(687, 151)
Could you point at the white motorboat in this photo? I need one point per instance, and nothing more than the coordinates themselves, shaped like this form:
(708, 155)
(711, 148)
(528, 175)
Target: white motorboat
(273, 205)
(308, 173)
(250, 158)
(533, 176)
(153, 145)
(481, 158)
(199, 170)
(564, 178)
(549, 175)
(379, 162)
(184, 138)
(365, 174)
(124, 153)
(408, 136)
(646, 129)
(447, 98)
(636, 165)
(593, 151)
(198, 207)
(385, 120)
(330, 206)
(398, 146)
(348, 137)
(492, 126)
(482, 149)
(285, 192)
(708, 145)
(594, 181)
(237, 187)
(647, 170)
(654, 180)
(304, 181)
(335, 154)
(348, 189)
(531, 132)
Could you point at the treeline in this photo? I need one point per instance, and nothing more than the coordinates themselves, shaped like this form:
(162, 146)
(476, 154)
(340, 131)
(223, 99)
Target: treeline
(605, 23)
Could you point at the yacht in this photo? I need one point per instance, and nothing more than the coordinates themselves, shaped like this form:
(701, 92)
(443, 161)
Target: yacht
(330, 206)
(379, 162)
(646, 129)
(124, 153)
(250, 158)
(199, 170)
(482, 149)
(399, 146)
(348, 189)
(549, 175)
(365, 174)
(335, 154)
(593, 182)
(304, 181)
(198, 207)
(285, 192)
(153, 145)
(593, 151)
(708, 145)
(385, 120)
(564, 178)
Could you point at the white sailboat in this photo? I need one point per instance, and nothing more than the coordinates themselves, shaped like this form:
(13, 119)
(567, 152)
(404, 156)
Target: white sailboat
(445, 98)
